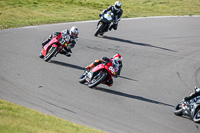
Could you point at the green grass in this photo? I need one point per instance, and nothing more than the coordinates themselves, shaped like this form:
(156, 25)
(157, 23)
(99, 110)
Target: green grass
(18, 13)
(18, 119)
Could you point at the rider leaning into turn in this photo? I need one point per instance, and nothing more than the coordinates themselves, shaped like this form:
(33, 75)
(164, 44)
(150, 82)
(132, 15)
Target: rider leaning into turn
(117, 11)
(193, 95)
(116, 57)
(70, 35)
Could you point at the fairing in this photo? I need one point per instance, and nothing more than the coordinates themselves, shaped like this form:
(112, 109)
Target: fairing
(55, 42)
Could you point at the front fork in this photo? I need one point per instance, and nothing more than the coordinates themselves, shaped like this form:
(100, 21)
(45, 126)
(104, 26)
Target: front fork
(105, 28)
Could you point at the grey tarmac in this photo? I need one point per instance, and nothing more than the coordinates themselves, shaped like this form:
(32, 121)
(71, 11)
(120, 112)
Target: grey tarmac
(161, 65)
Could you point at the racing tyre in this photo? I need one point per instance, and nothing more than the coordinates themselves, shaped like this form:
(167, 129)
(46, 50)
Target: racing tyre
(99, 78)
(82, 79)
(196, 117)
(52, 51)
(41, 55)
(178, 110)
(99, 28)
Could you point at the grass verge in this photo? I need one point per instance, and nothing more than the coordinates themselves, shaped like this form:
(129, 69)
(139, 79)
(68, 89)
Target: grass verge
(18, 13)
(19, 119)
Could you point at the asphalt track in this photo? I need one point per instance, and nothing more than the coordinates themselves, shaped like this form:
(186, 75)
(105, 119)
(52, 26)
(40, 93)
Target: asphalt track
(161, 66)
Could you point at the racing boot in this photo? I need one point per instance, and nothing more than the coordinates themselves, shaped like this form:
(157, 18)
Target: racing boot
(109, 82)
(68, 52)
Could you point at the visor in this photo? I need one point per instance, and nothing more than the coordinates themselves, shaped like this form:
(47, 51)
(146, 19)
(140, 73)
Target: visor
(118, 7)
(115, 64)
(74, 35)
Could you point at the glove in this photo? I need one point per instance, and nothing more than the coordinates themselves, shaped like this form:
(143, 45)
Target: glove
(88, 67)
(71, 44)
(51, 36)
(100, 14)
(186, 99)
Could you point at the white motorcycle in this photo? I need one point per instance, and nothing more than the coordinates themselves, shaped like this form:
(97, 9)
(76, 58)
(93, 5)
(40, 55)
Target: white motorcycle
(191, 109)
(104, 23)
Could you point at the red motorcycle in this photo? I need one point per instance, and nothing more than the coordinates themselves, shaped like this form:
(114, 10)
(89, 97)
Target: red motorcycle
(100, 73)
(53, 47)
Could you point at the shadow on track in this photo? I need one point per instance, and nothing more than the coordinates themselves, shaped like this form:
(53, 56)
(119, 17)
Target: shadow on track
(80, 68)
(131, 96)
(127, 78)
(135, 43)
(67, 65)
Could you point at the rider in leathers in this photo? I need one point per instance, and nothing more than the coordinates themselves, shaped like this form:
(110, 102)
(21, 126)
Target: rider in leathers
(117, 11)
(193, 95)
(70, 35)
(105, 60)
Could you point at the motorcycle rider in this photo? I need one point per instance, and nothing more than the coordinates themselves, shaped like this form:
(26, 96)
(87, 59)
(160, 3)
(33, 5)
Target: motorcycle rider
(116, 58)
(117, 11)
(71, 37)
(193, 95)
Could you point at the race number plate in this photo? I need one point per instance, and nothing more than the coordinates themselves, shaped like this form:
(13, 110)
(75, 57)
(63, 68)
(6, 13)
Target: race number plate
(62, 41)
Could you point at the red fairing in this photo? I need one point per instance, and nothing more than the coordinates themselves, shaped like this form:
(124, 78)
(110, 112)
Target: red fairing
(109, 67)
(55, 42)
(100, 74)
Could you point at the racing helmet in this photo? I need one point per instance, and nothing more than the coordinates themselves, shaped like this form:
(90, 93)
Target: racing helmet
(118, 58)
(117, 5)
(115, 64)
(74, 31)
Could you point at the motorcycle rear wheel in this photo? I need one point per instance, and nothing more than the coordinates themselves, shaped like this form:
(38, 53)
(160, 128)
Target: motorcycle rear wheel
(52, 51)
(97, 80)
(196, 117)
(99, 28)
(178, 110)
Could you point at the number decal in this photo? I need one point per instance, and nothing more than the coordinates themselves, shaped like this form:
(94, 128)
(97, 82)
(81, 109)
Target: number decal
(62, 41)
(111, 69)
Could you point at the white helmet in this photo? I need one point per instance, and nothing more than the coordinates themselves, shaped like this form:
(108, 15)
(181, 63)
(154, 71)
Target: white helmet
(118, 57)
(117, 5)
(74, 32)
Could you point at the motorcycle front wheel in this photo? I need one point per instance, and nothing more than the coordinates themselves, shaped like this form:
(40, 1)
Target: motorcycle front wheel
(52, 51)
(82, 79)
(99, 78)
(178, 110)
(196, 117)
(41, 55)
(99, 28)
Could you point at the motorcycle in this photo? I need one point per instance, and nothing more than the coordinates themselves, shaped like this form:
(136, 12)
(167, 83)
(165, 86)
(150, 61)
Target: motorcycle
(99, 74)
(54, 47)
(191, 109)
(104, 23)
